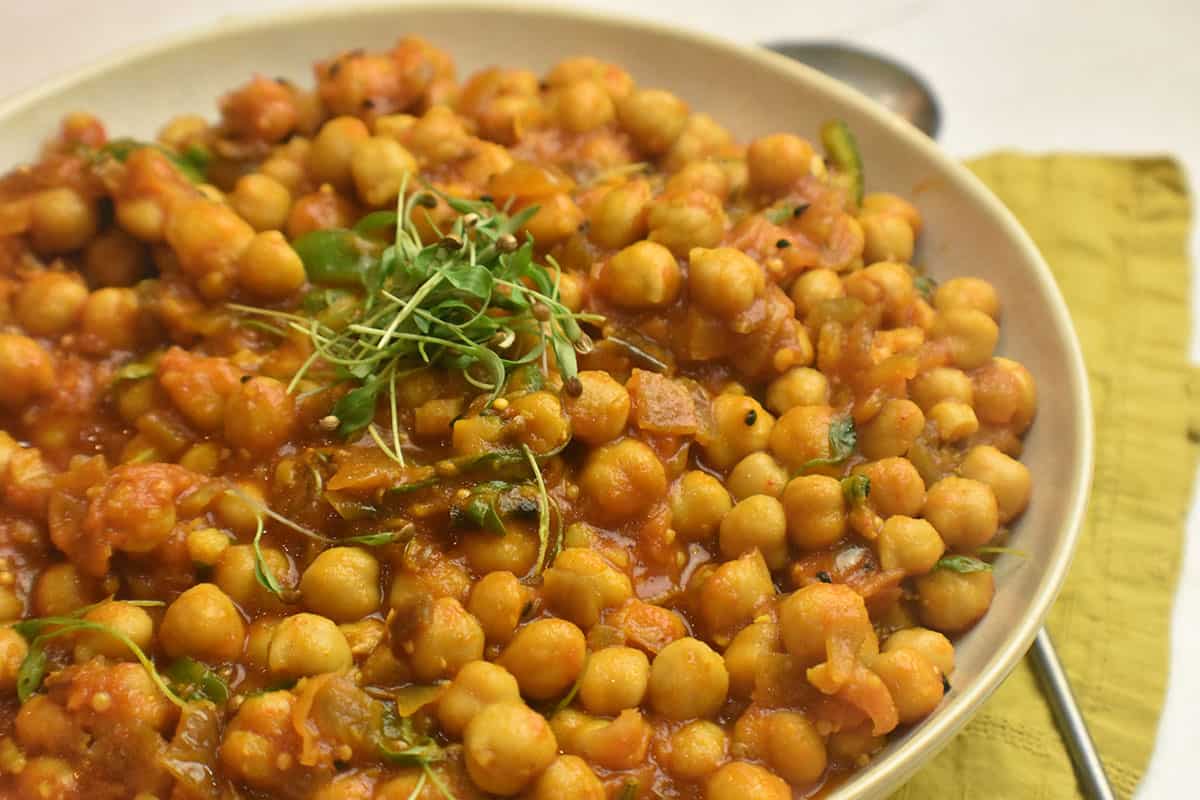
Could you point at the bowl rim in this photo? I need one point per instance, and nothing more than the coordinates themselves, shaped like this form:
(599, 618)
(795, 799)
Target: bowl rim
(936, 731)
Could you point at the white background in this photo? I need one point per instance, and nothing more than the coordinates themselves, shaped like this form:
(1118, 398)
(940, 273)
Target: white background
(1099, 75)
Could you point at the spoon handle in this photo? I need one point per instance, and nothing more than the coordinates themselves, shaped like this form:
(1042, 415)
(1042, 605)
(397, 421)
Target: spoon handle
(1071, 725)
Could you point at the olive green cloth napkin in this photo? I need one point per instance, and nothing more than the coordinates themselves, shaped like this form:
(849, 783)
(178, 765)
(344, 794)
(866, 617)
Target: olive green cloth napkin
(1115, 233)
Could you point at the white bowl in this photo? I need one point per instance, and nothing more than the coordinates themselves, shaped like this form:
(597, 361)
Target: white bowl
(967, 232)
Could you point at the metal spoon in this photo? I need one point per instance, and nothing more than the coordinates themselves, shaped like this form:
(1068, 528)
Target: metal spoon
(892, 85)
(899, 90)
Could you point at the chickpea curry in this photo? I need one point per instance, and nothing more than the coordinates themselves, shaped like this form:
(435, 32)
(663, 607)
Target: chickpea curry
(412, 437)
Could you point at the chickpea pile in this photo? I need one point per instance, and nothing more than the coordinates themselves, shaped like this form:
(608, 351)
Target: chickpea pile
(766, 490)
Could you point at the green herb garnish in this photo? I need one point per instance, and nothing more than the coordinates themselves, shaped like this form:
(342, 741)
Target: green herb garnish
(34, 667)
(192, 162)
(544, 550)
(842, 439)
(192, 680)
(963, 564)
(262, 572)
(842, 150)
(925, 286)
(416, 750)
(778, 214)
(856, 489)
(629, 790)
(474, 302)
(134, 371)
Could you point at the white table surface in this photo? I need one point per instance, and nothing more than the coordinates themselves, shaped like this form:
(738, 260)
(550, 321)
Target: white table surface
(1099, 75)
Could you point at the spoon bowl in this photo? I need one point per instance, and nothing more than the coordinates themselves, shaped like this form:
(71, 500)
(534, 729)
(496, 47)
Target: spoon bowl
(892, 85)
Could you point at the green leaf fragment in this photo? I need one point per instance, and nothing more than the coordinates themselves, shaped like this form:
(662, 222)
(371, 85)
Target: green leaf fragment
(842, 440)
(192, 680)
(842, 149)
(963, 564)
(856, 489)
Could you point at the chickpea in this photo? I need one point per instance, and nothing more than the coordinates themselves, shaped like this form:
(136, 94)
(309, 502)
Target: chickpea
(307, 644)
(778, 161)
(333, 150)
(11, 606)
(653, 118)
(1009, 479)
(936, 648)
(742, 427)
(814, 613)
(815, 287)
(506, 746)
(258, 642)
(544, 424)
(259, 415)
(707, 176)
(698, 504)
(952, 602)
(48, 777)
(964, 511)
(380, 166)
(342, 583)
(114, 258)
(896, 486)
(262, 201)
(908, 544)
(322, 210)
(568, 776)
(756, 523)
(440, 641)
(972, 293)
(696, 750)
(894, 205)
(582, 584)
(601, 411)
(886, 237)
(497, 601)
(234, 574)
(687, 680)
(739, 780)
(583, 106)
(60, 589)
(26, 371)
(623, 479)
(757, 473)
(439, 136)
(619, 218)
(269, 268)
(557, 218)
(970, 335)
(129, 620)
(513, 552)
(545, 656)
(49, 303)
(953, 421)
(724, 281)
(203, 623)
(613, 680)
(61, 220)
(941, 384)
(476, 686)
(13, 650)
(615, 80)
(644, 275)
(743, 654)
(794, 748)
(816, 513)
(799, 386)
(109, 321)
(855, 745)
(892, 431)
(801, 435)
(733, 593)
(207, 238)
(913, 681)
(685, 220)
(1017, 395)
